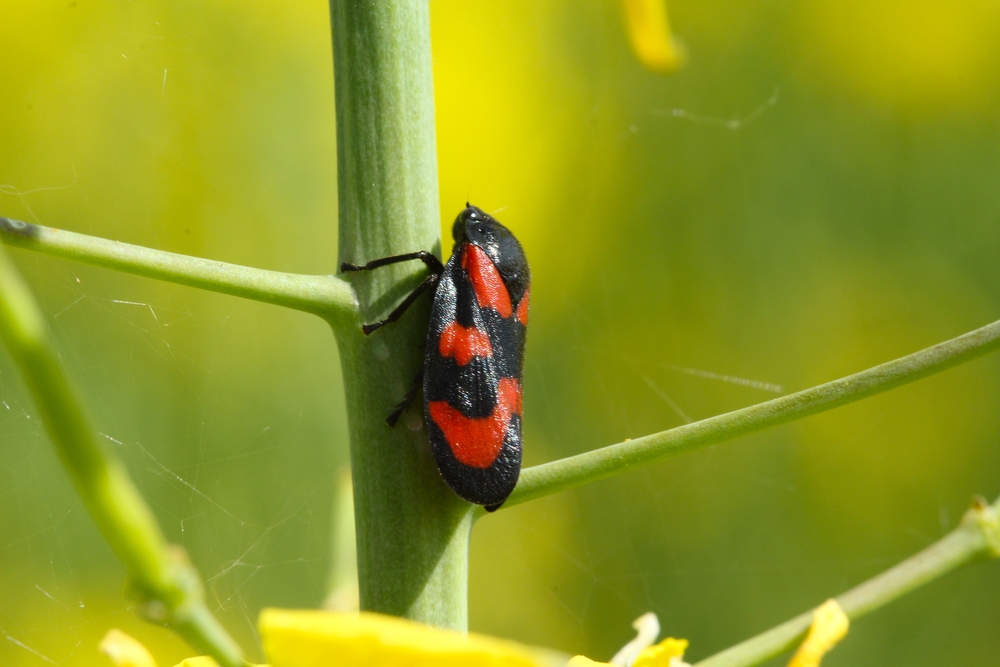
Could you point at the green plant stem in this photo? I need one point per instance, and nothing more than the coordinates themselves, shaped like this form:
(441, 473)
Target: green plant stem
(327, 296)
(412, 531)
(162, 581)
(977, 537)
(549, 478)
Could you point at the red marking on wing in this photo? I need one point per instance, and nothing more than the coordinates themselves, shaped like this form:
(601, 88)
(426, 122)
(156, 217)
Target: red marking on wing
(477, 442)
(522, 308)
(491, 292)
(464, 344)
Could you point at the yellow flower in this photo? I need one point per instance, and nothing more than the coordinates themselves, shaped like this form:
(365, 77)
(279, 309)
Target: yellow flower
(307, 638)
(828, 627)
(125, 651)
(647, 628)
(640, 652)
(302, 638)
(668, 653)
(649, 32)
(200, 661)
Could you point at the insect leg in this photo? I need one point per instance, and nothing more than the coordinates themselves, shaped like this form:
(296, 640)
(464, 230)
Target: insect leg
(432, 262)
(407, 399)
(428, 283)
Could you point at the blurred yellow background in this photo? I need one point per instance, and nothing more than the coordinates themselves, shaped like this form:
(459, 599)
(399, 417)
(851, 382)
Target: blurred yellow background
(816, 191)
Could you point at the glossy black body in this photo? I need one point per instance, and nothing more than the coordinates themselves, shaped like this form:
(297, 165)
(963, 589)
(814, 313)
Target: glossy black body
(472, 381)
(472, 388)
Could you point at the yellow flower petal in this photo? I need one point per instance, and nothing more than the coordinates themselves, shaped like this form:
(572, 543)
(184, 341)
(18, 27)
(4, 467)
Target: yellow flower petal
(125, 651)
(305, 638)
(828, 627)
(649, 33)
(584, 661)
(647, 629)
(200, 661)
(667, 653)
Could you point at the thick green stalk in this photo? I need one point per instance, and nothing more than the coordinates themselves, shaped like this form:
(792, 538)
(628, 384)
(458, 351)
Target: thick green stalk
(976, 538)
(412, 531)
(162, 581)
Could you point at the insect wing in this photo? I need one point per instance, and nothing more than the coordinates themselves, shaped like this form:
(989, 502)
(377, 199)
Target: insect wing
(472, 379)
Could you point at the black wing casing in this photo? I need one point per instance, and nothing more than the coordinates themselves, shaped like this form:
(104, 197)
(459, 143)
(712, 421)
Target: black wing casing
(474, 363)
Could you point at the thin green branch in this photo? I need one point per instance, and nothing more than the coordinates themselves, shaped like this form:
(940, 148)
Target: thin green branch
(326, 296)
(161, 580)
(549, 478)
(977, 537)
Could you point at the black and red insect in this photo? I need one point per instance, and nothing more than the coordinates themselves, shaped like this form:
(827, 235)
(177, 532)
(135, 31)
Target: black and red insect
(474, 356)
